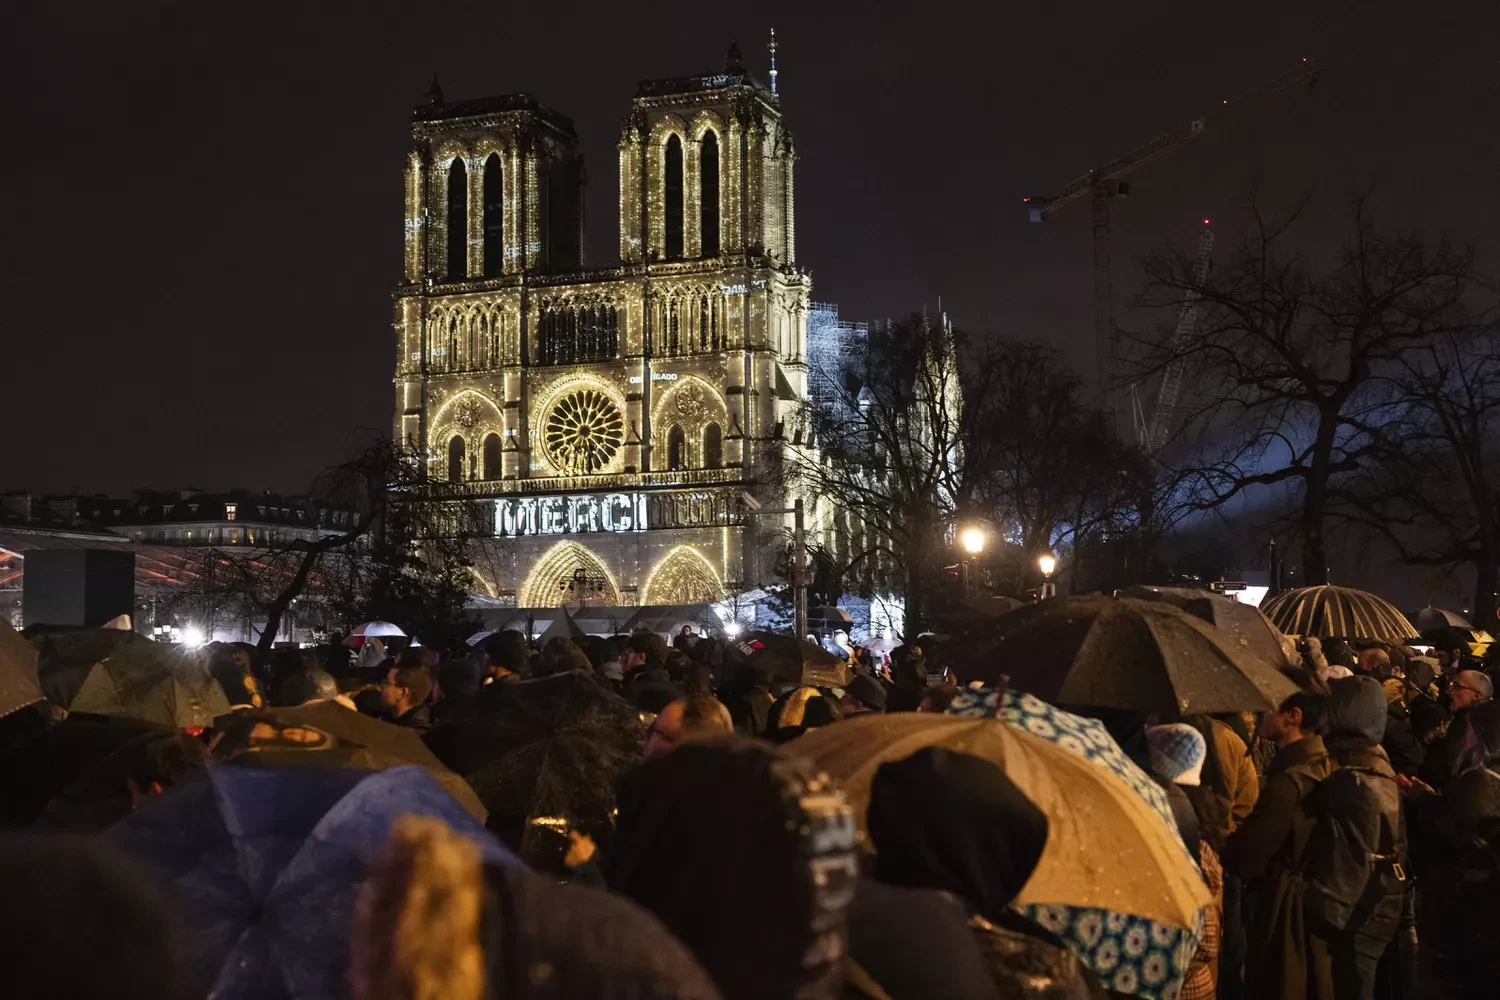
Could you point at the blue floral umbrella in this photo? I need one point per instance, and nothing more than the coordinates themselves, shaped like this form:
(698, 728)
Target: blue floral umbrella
(265, 865)
(1130, 954)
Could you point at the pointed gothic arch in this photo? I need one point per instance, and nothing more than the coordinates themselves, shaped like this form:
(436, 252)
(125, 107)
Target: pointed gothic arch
(458, 220)
(494, 216)
(456, 468)
(546, 586)
(672, 197)
(682, 576)
(708, 193)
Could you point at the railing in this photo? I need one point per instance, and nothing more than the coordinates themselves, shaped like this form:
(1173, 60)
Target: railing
(588, 484)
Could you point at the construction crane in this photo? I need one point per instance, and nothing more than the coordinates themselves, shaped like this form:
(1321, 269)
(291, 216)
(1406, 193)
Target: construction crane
(1104, 184)
(1151, 436)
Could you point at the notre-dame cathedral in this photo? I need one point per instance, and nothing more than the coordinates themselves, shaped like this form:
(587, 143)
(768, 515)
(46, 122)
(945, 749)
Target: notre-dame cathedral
(625, 422)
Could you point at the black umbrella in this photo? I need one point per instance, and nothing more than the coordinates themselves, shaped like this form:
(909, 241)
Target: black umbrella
(1426, 619)
(1243, 624)
(109, 672)
(326, 734)
(543, 756)
(1120, 652)
(84, 757)
(829, 617)
(794, 659)
(19, 684)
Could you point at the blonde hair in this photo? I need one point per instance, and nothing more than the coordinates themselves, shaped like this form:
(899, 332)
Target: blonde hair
(796, 706)
(417, 922)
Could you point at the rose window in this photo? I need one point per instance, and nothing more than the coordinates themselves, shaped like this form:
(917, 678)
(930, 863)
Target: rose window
(584, 432)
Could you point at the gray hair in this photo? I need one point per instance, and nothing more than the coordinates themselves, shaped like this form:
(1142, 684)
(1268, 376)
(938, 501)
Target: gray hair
(1479, 681)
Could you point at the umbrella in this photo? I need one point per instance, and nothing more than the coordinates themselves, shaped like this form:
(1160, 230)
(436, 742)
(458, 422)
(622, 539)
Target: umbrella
(63, 760)
(368, 629)
(1243, 623)
(1337, 612)
(355, 741)
(1119, 652)
(1099, 936)
(829, 617)
(479, 637)
(542, 750)
(108, 672)
(20, 684)
(265, 866)
(1429, 618)
(794, 659)
(1140, 867)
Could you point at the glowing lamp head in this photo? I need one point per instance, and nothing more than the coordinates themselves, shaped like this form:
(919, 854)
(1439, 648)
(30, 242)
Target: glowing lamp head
(192, 637)
(972, 540)
(731, 629)
(1046, 562)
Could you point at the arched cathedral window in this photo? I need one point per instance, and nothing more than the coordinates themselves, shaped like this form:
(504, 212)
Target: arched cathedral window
(491, 458)
(672, 200)
(676, 449)
(456, 459)
(708, 191)
(494, 217)
(713, 447)
(458, 220)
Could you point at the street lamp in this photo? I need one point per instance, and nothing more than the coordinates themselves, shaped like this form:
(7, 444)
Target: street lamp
(972, 539)
(1047, 563)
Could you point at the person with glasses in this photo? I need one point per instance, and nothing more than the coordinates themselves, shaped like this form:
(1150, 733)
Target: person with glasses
(1468, 689)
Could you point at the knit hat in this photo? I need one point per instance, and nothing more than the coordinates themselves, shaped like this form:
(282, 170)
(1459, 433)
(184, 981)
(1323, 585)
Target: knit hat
(1177, 752)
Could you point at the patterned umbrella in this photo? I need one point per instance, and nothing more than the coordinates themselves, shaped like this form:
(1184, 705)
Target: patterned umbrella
(1130, 953)
(1337, 612)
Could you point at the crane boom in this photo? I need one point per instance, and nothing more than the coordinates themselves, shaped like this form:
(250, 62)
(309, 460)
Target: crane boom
(1103, 184)
(1171, 376)
(1080, 187)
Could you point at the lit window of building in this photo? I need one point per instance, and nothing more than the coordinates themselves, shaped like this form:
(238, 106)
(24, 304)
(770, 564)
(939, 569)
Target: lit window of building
(230, 510)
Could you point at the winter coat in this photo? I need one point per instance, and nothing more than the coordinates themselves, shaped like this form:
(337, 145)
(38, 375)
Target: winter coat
(1358, 858)
(1400, 741)
(1284, 958)
(1239, 774)
(419, 718)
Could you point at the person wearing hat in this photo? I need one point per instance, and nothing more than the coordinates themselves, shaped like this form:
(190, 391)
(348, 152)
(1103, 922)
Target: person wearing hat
(863, 694)
(1178, 752)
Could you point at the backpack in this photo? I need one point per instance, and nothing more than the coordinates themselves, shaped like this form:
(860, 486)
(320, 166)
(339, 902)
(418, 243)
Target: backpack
(1353, 867)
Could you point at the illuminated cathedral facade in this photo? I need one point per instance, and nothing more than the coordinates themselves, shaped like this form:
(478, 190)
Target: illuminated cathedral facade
(626, 424)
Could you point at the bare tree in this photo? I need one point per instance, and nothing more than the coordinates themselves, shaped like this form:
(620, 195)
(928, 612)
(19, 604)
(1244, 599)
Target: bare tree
(1047, 467)
(1434, 492)
(890, 433)
(1284, 356)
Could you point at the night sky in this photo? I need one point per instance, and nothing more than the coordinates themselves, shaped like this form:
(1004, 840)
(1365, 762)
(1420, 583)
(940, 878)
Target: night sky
(204, 219)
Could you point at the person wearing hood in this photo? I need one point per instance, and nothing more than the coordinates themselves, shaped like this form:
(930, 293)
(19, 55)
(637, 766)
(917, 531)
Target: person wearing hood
(748, 858)
(1464, 885)
(1356, 882)
(1283, 959)
(434, 920)
(956, 823)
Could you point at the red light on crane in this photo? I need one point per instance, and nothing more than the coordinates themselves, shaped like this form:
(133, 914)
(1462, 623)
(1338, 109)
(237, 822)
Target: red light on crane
(1205, 222)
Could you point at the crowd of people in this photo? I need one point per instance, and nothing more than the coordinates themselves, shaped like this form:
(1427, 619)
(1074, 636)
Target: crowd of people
(1346, 838)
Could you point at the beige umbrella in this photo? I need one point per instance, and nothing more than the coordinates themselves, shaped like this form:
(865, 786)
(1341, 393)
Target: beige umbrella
(1337, 612)
(1106, 847)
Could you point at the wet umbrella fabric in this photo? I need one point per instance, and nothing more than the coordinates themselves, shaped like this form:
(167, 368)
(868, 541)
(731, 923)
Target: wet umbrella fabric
(1107, 940)
(1429, 618)
(1337, 612)
(795, 660)
(1120, 652)
(377, 630)
(1141, 866)
(360, 742)
(265, 865)
(20, 685)
(62, 758)
(829, 617)
(544, 749)
(109, 672)
(1243, 623)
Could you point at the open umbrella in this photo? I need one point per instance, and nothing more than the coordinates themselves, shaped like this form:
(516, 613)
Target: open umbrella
(1244, 624)
(20, 684)
(542, 754)
(1139, 867)
(1119, 652)
(794, 659)
(340, 737)
(1429, 618)
(357, 637)
(1100, 936)
(1337, 612)
(265, 866)
(829, 617)
(109, 672)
